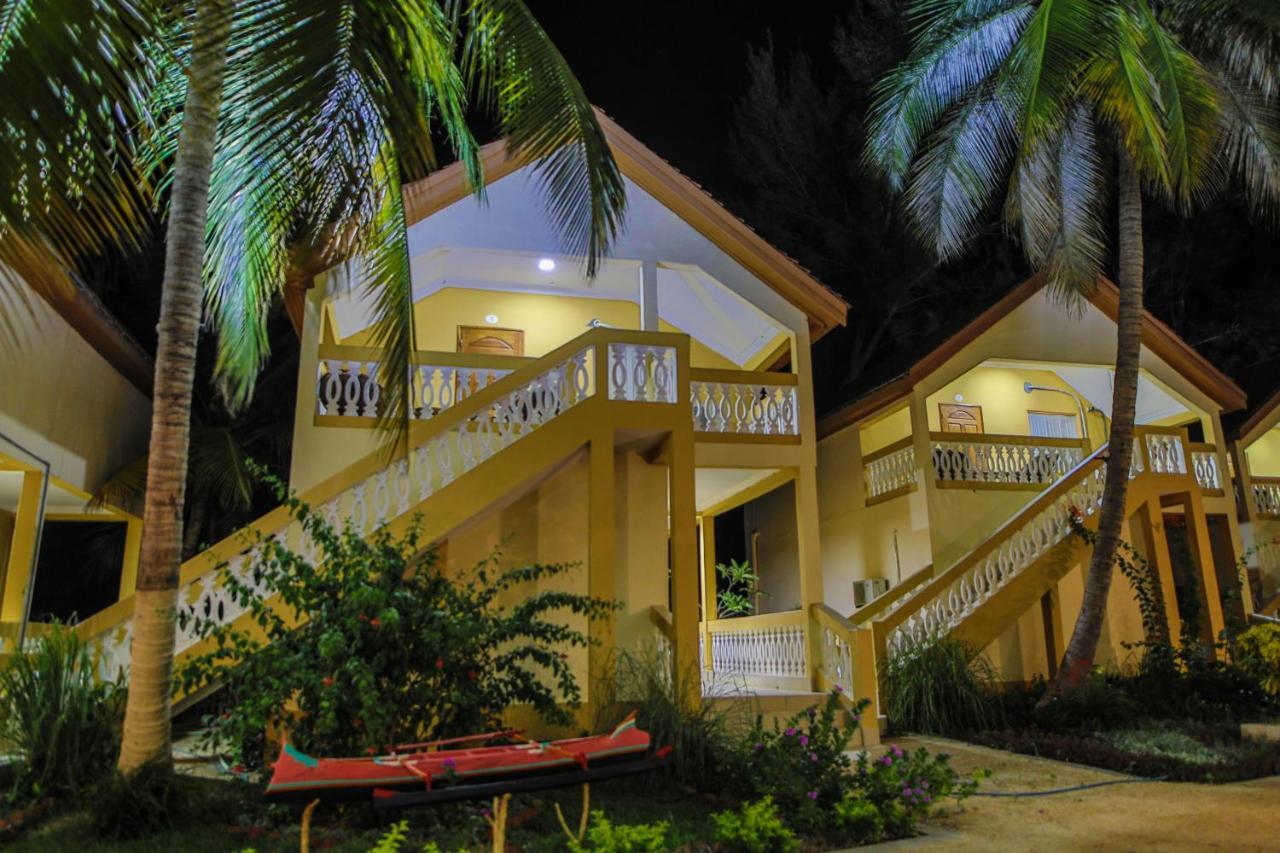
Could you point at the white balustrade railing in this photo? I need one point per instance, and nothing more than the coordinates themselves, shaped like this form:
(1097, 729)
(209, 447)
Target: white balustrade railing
(937, 611)
(1165, 453)
(642, 373)
(1266, 496)
(386, 493)
(743, 408)
(351, 387)
(836, 658)
(991, 459)
(759, 651)
(1204, 464)
(887, 472)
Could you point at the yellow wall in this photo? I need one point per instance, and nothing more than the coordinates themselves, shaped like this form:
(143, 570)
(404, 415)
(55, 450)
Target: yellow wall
(1264, 454)
(63, 401)
(1005, 406)
(885, 430)
(857, 540)
(773, 517)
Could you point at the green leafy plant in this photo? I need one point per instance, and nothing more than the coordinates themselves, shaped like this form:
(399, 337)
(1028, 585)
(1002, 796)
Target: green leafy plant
(374, 644)
(392, 839)
(740, 587)
(856, 820)
(755, 828)
(149, 800)
(1257, 652)
(803, 765)
(941, 686)
(57, 717)
(903, 786)
(606, 837)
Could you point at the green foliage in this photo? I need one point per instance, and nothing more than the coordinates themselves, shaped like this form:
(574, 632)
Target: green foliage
(393, 838)
(1096, 705)
(755, 828)
(904, 785)
(1164, 742)
(803, 765)
(60, 721)
(149, 800)
(377, 645)
(672, 712)
(1257, 652)
(740, 588)
(606, 837)
(857, 820)
(941, 686)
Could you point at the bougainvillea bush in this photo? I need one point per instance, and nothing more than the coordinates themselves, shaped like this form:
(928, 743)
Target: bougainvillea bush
(373, 644)
(805, 767)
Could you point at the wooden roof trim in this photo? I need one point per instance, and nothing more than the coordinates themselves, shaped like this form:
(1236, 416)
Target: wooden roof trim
(823, 306)
(1258, 416)
(1156, 336)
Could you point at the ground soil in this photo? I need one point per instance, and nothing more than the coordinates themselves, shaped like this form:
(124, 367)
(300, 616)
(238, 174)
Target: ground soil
(1165, 816)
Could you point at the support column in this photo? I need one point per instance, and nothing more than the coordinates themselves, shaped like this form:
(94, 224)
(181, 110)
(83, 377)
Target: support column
(807, 544)
(22, 548)
(1152, 518)
(600, 548)
(684, 556)
(649, 296)
(132, 553)
(1198, 527)
(708, 583)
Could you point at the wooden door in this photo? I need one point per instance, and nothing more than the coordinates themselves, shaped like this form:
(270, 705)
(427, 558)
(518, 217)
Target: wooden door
(956, 417)
(490, 340)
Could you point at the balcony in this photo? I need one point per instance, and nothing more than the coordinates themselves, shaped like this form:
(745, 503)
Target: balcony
(727, 405)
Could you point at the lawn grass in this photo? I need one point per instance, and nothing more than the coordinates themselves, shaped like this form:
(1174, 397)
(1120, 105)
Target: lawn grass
(229, 816)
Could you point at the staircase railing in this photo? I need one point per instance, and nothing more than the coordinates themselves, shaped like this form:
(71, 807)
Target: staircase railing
(374, 491)
(940, 605)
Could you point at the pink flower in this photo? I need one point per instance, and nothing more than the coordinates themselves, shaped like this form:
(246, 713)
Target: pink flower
(450, 764)
(813, 756)
(887, 760)
(804, 740)
(791, 730)
(839, 689)
(897, 750)
(759, 747)
(813, 795)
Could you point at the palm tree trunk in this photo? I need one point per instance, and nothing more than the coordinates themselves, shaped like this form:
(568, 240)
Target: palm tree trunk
(1077, 660)
(146, 724)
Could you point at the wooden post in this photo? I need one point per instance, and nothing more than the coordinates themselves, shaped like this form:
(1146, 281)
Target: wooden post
(132, 551)
(22, 548)
(684, 555)
(709, 600)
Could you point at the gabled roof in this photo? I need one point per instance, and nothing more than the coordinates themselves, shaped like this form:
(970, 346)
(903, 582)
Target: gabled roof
(823, 306)
(1261, 383)
(1156, 337)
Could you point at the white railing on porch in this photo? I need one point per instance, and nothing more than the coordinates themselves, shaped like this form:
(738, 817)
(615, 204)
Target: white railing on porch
(642, 373)
(742, 402)
(890, 470)
(1003, 459)
(1204, 464)
(1165, 452)
(1266, 496)
(768, 646)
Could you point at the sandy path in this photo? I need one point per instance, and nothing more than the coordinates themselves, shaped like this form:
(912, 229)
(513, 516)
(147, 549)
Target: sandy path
(1143, 816)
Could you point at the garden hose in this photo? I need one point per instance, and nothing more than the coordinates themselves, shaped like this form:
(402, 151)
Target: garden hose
(1068, 790)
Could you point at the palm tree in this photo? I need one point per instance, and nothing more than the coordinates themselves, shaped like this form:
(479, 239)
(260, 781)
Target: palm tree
(1052, 108)
(283, 127)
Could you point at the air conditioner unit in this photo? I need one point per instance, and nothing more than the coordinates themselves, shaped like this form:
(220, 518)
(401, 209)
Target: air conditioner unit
(867, 591)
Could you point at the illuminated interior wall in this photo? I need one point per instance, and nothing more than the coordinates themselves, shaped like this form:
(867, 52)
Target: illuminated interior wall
(884, 431)
(1264, 454)
(998, 390)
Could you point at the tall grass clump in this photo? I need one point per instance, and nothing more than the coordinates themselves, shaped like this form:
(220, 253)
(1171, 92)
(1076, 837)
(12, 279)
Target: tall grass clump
(669, 706)
(941, 687)
(58, 720)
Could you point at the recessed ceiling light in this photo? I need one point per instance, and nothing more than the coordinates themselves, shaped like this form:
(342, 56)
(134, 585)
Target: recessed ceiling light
(959, 398)
(546, 265)
(491, 319)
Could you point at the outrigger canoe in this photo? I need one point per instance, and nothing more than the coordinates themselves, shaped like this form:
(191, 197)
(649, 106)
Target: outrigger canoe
(442, 771)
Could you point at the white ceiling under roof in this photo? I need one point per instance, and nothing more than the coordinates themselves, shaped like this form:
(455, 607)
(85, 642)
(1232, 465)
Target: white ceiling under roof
(716, 485)
(1094, 385)
(57, 499)
(689, 298)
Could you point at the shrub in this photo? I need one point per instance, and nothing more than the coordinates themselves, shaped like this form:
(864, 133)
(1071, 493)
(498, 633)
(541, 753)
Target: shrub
(755, 828)
(803, 766)
(379, 646)
(1095, 705)
(942, 687)
(857, 820)
(606, 837)
(1163, 742)
(904, 785)
(60, 721)
(671, 710)
(1257, 652)
(149, 800)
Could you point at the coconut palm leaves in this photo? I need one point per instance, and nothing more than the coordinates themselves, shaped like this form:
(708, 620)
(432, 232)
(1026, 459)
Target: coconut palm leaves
(329, 106)
(1030, 100)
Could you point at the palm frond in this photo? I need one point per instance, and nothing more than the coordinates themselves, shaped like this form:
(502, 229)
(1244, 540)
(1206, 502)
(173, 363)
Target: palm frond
(960, 171)
(74, 80)
(1188, 105)
(1127, 97)
(125, 489)
(218, 468)
(1241, 36)
(957, 49)
(1249, 144)
(544, 114)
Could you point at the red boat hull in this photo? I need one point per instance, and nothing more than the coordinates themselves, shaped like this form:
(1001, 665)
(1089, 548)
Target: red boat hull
(300, 776)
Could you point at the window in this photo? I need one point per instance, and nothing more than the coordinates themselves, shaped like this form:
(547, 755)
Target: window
(1050, 425)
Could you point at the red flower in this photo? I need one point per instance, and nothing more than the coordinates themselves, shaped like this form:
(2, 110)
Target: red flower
(471, 674)
(368, 750)
(357, 722)
(439, 663)
(362, 618)
(327, 681)
(375, 623)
